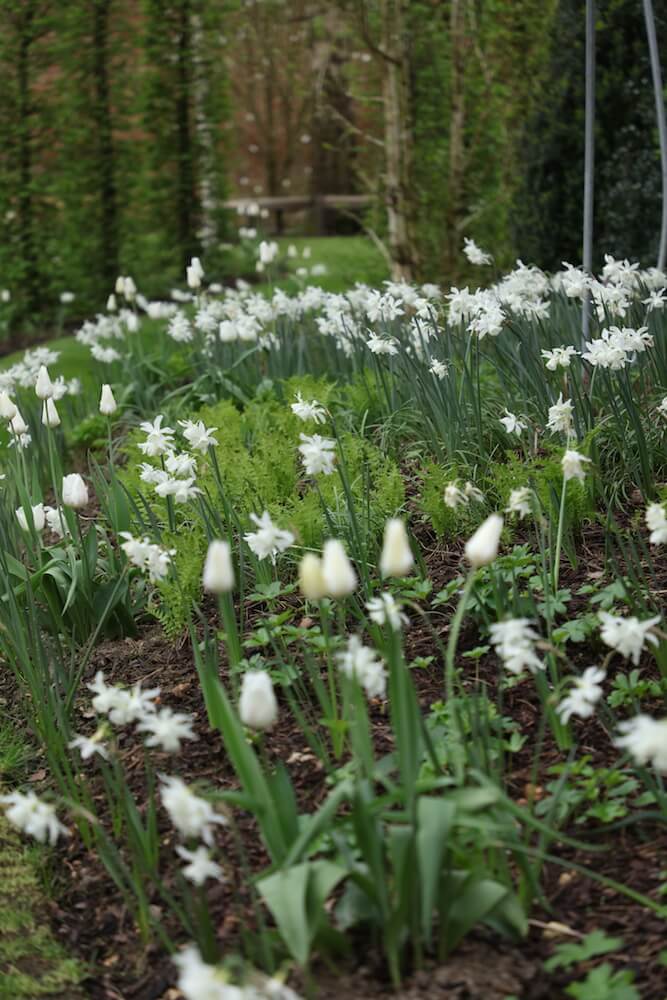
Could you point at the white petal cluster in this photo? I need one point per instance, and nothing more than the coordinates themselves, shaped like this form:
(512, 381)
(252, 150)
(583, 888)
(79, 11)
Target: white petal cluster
(147, 556)
(33, 816)
(269, 540)
(363, 663)
(572, 464)
(189, 813)
(385, 609)
(167, 728)
(560, 416)
(584, 695)
(308, 410)
(645, 739)
(628, 636)
(317, 454)
(656, 522)
(514, 641)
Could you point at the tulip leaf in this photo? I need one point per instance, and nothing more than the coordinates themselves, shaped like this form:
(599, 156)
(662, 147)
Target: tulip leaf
(434, 818)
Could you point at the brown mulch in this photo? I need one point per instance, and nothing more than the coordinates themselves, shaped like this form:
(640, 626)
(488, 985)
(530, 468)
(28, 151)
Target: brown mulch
(92, 921)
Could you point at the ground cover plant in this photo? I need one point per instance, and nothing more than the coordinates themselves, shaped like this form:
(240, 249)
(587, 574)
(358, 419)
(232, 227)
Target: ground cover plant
(335, 619)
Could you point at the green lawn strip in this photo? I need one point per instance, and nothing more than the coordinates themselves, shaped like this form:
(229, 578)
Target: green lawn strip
(32, 963)
(348, 259)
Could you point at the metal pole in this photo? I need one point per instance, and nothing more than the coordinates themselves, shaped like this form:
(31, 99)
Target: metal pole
(589, 160)
(662, 125)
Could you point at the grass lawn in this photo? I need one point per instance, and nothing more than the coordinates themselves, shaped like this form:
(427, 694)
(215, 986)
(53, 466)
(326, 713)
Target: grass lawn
(348, 259)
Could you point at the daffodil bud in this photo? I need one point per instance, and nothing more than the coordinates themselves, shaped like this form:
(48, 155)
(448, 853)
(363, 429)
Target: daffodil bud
(218, 575)
(7, 408)
(396, 558)
(108, 404)
(75, 491)
(482, 547)
(43, 385)
(50, 416)
(337, 571)
(258, 707)
(311, 580)
(38, 517)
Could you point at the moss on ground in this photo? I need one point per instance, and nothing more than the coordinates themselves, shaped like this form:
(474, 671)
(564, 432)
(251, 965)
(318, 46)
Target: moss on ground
(32, 963)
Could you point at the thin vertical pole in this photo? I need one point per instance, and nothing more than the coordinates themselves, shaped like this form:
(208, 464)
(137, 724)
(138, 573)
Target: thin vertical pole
(662, 125)
(589, 160)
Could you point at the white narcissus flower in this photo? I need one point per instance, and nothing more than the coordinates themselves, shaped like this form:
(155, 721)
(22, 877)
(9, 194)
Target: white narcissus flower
(38, 517)
(88, 746)
(190, 814)
(311, 410)
(438, 368)
(584, 695)
(43, 385)
(385, 609)
(454, 496)
(474, 253)
(628, 636)
(32, 816)
(200, 866)
(560, 416)
(645, 739)
(50, 415)
(198, 980)
(311, 578)
(258, 707)
(159, 439)
(56, 521)
(656, 522)
(74, 491)
(218, 576)
(482, 547)
(318, 454)
(520, 502)
(572, 463)
(559, 357)
(108, 405)
(268, 540)
(199, 437)
(167, 729)
(512, 423)
(514, 640)
(337, 570)
(363, 663)
(396, 558)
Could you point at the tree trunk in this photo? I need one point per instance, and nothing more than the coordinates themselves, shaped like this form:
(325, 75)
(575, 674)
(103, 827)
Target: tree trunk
(207, 189)
(458, 37)
(185, 187)
(397, 139)
(25, 195)
(106, 160)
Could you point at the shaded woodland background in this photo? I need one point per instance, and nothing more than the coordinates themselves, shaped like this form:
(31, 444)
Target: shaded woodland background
(125, 126)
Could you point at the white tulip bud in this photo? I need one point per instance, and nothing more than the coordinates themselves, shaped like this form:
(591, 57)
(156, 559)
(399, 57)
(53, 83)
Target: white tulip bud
(267, 252)
(111, 303)
(50, 417)
(7, 407)
(311, 580)
(43, 385)
(108, 404)
(129, 288)
(75, 491)
(192, 277)
(38, 517)
(218, 575)
(396, 558)
(337, 571)
(120, 285)
(18, 424)
(482, 547)
(258, 707)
